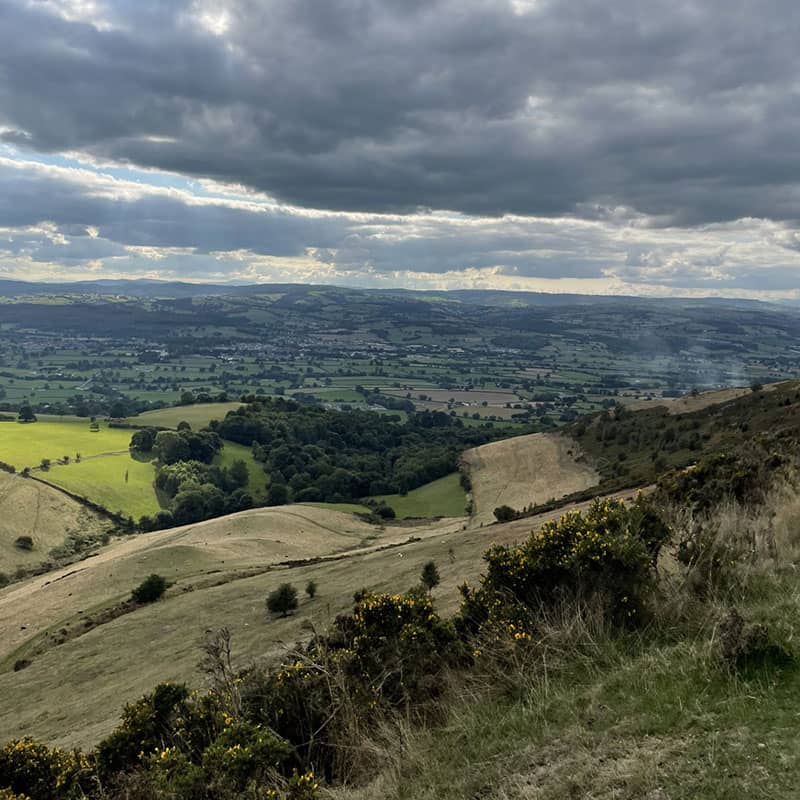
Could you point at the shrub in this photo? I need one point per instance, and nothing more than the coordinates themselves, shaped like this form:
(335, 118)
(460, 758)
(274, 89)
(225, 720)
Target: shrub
(385, 511)
(282, 600)
(149, 590)
(389, 653)
(400, 642)
(5, 579)
(24, 543)
(743, 647)
(311, 589)
(146, 725)
(608, 554)
(745, 477)
(243, 753)
(7, 794)
(505, 514)
(430, 576)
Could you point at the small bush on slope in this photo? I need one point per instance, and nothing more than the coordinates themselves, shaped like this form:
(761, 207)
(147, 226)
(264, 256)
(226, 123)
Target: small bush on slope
(149, 590)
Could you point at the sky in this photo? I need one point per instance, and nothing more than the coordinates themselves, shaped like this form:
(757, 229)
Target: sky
(625, 147)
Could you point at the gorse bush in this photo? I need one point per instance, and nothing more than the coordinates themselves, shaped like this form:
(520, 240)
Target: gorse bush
(391, 652)
(30, 768)
(146, 724)
(266, 732)
(186, 746)
(7, 794)
(606, 554)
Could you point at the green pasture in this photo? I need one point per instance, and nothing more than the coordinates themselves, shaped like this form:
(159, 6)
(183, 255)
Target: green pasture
(118, 483)
(440, 498)
(198, 416)
(107, 474)
(258, 478)
(347, 508)
(25, 445)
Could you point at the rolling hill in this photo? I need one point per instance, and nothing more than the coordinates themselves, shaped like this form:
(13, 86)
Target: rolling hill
(221, 572)
(71, 637)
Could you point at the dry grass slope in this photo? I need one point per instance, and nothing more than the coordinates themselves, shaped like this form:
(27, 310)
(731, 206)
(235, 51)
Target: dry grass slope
(523, 470)
(30, 508)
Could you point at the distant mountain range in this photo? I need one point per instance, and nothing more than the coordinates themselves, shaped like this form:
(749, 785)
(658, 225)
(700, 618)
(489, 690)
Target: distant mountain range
(143, 288)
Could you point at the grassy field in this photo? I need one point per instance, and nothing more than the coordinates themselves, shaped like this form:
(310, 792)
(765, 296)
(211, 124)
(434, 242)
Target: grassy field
(222, 572)
(198, 416)
(118, 482)
(347, 508)
(607, 721)
(258, 479)
(26, 445)
(441, 498)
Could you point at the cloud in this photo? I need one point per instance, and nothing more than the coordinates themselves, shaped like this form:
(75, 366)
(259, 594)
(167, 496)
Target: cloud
(683, 111)
(64, 220)
(640, 147)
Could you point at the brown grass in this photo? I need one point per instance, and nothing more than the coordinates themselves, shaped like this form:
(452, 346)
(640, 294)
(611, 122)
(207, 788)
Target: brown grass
(690, 403)
(525, 470)
(223, 571)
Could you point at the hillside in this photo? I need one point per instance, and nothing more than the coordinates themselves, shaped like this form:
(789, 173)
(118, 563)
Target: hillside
(49, 517)
(222, 571)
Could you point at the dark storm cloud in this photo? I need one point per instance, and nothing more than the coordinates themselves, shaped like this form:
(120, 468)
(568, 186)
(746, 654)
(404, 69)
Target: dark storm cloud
(684, 111)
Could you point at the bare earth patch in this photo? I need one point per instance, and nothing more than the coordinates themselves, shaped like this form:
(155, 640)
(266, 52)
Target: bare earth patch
(523, 470)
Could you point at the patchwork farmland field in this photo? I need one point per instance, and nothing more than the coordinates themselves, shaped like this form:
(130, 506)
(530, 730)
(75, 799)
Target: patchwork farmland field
(198, 415)
(525, 470)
